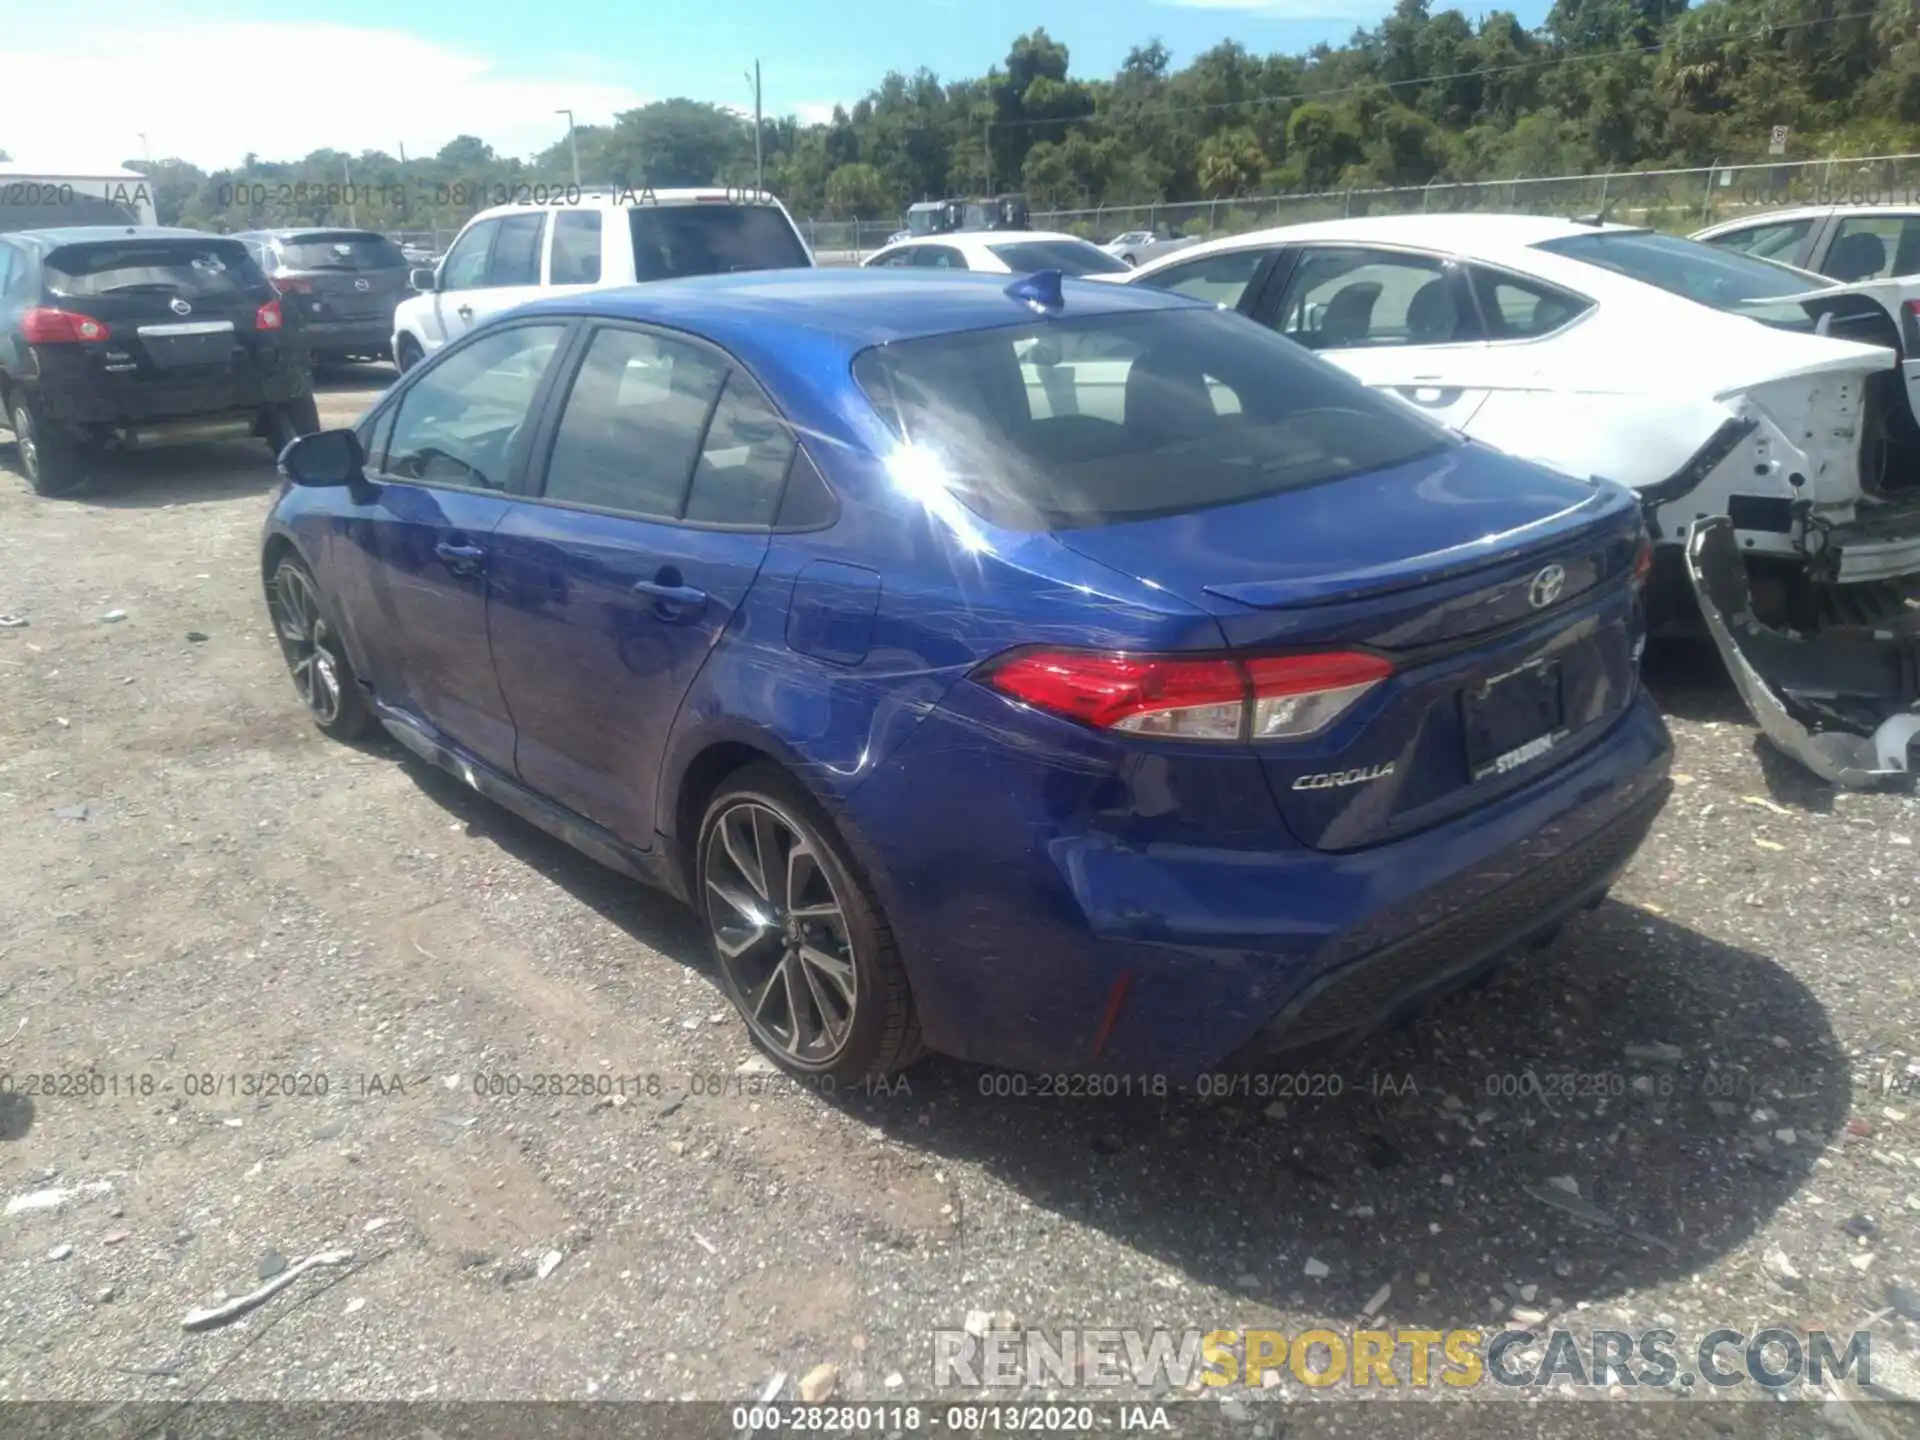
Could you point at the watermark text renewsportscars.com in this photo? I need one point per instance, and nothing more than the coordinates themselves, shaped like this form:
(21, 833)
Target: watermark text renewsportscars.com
(1196, 1361)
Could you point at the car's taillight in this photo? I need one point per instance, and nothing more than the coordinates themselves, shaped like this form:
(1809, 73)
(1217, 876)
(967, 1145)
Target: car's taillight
(46, 325)
(1912, 307)
(267, 317)
(1643, 560)
(1262, 698)
(289, 285)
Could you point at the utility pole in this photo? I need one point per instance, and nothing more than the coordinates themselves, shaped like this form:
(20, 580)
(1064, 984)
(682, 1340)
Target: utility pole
(759, 170)
(986, 151)
(146, 149)
(346, 173)
(573, 146)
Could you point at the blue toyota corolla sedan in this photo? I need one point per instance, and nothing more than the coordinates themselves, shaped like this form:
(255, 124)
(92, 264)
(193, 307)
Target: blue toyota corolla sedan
(1062, 676)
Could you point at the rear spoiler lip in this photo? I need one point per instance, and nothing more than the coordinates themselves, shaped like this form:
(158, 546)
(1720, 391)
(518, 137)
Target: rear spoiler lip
(1305, 592)
(1850, 759)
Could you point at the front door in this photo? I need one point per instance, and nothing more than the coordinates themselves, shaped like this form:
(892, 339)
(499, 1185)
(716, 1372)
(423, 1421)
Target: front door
(413, 570)
(492, 267)
(610, 588)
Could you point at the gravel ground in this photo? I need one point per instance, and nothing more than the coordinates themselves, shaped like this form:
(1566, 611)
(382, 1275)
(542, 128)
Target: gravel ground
(195, 886)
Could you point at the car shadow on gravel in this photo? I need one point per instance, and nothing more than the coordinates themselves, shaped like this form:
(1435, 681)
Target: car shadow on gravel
(1689, 681)
(176, 475)
(1585, 1125)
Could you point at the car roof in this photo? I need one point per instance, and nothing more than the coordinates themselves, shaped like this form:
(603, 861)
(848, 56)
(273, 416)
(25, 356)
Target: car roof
(1808, 212)
(634, 197)
(87, 234)
(844, 309)
(1484, 235)
(282, 231)
(985, 237)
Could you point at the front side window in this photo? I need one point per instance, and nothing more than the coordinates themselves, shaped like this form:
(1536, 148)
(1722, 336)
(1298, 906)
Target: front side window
(1872, 247)
(576, 248)
(1181, 410)
(1723, 279)
(1779, 241)
(465, 267)
(458, 421)
(630, 434)
(1342, 299)
(516, 254)
(1217, 279)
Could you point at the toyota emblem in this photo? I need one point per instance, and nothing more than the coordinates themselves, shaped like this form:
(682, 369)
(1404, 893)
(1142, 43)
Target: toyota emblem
(1545, 587)
(361, 285)
(179, 306)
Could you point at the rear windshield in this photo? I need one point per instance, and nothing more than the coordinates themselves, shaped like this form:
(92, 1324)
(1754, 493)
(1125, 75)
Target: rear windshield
(1071, 257)
(1062, 424)
(1724, 279)
(180, 267)
(674, 240)
(340, 250)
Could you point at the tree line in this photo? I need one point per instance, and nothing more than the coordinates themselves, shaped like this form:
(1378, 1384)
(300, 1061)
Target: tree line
(1422, 96)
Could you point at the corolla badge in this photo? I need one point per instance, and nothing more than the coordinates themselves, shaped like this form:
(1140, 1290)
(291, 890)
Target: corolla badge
(1546, 586)
(179, 306)
(1339, 779)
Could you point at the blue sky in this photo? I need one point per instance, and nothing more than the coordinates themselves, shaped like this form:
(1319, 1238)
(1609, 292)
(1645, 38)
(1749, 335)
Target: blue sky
(359, 74)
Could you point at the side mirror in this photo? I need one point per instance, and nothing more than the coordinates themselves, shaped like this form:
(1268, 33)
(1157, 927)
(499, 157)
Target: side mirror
(328, 457)
(422, 278)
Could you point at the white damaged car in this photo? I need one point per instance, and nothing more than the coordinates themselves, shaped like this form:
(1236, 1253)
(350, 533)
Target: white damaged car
(1712, 383)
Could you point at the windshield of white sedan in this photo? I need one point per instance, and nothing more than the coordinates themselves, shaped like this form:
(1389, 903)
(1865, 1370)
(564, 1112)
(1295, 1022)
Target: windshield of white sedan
(1061, 424)
(1071, 257)
(1724, 279)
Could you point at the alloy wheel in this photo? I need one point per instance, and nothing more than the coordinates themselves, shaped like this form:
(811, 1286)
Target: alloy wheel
(307, 643)
(781, 930)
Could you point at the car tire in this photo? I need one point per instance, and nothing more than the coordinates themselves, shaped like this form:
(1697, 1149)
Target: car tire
(287, 423)
(828, 942)
(53, 463)
(407, 354)
(316, 659)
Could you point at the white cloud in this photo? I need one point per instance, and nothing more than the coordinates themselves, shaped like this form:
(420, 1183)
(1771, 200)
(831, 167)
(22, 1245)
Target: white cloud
(815, 112)
(1291, 9)
(211, 93)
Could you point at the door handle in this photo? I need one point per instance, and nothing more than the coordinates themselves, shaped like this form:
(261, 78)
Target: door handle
(461, 559)
(465, 312)
(677, 596)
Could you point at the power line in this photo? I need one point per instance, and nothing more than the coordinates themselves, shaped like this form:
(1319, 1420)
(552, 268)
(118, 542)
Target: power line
(1548, 63)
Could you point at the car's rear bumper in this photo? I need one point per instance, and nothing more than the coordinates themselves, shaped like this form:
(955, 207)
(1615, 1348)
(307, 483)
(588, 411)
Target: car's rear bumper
(357, 337)
(1045, 943)
(153, 399)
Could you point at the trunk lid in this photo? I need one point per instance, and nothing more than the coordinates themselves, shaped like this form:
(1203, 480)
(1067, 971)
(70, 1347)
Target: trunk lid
(1499, 590)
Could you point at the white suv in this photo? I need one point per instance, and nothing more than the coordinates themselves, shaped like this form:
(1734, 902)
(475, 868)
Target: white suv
(511, 254)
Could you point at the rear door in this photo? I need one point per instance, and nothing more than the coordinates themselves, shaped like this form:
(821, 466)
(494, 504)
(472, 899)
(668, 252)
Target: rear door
(174, 316)
(1399, 320)
(664, 472)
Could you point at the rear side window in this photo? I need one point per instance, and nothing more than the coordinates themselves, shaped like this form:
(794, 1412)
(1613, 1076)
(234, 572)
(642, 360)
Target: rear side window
(1076, 422)
(1071, 257)
(711, 239)
(631, 431)
(743, 460)
(576, 248)
(340, 250)
(210, 267)
(1517, 309)
(516, 254)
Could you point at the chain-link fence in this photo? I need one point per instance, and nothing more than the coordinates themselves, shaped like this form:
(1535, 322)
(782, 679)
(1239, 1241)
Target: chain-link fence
(1676, 200)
